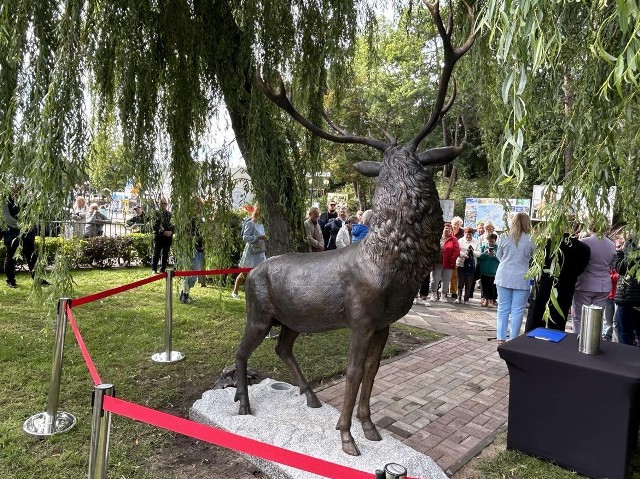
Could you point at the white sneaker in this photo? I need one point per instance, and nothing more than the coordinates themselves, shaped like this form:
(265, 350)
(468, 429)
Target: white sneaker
(432, 299)
(425, 302)
(235, 296)
(457, 301)
(415, 300)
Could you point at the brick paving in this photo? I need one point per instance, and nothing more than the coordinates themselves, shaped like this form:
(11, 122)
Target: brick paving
(447, 399)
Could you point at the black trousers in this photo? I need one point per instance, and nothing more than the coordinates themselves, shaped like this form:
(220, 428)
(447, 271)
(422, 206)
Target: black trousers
(465, 280)
(425, 290)
(161, 248)
(488, 287)
(28, 252)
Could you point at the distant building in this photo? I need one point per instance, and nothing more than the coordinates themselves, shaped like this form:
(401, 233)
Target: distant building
(242, 192)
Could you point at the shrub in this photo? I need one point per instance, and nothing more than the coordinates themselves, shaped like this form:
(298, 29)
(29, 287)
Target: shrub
(142, 247)
(101, 252)
(98, 252)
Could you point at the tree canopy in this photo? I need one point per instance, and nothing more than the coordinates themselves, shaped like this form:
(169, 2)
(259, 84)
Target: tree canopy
(549, 88)
(569, 84)
(161, 70)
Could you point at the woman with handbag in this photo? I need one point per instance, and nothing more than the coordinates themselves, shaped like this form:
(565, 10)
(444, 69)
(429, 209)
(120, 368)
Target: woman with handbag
(254, 250)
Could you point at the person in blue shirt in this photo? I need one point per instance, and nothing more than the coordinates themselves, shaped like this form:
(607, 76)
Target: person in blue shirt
(515, 250)
(360, 230)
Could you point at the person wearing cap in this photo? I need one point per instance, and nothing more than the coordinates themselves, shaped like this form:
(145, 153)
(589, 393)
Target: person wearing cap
(139, 220)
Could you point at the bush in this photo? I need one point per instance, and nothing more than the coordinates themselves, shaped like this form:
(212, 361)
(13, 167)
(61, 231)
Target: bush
(101, 252)
(141, 243)
(98, 252)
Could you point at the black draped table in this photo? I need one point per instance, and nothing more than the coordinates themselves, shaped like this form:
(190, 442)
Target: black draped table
(579, 410)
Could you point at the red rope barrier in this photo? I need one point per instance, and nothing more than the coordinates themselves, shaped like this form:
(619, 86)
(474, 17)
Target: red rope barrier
(110, 292)
(83, 348)
(194, 429)
(232, 441)
(212, 272)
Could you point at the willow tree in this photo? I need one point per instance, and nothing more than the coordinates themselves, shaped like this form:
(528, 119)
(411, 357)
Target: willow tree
(569, 76)
(163, 69)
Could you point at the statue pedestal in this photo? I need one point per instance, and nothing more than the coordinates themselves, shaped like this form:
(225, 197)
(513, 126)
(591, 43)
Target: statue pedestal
(280, 416)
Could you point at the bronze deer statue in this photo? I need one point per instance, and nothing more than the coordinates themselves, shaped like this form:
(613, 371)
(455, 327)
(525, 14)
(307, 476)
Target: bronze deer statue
(372, 283)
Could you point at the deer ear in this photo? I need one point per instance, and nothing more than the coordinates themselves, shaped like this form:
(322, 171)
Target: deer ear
(368, 168)
(439, 156)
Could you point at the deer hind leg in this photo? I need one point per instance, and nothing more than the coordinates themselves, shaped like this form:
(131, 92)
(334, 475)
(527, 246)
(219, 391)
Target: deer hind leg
(358, 345)
(254, 333)
(371, 366)
(284, 349)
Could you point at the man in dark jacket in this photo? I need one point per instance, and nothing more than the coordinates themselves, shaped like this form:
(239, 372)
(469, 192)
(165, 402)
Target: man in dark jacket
(332, 227)
(324, 219)
(627, 296)
(13, 238)
(163, 230)
(573, 260)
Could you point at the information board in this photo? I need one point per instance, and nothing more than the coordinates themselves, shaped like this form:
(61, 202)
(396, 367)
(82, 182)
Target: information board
(481, 210)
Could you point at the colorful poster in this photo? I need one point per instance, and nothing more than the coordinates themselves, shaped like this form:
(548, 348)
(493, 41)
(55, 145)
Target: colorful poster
(481, 210)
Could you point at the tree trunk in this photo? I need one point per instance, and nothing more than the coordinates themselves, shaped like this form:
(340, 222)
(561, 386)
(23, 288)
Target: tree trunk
(234, 70)
(361, 194)
(452, 181)
(447, 169)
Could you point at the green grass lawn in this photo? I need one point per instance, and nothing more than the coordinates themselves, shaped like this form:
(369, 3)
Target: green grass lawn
(121, 333)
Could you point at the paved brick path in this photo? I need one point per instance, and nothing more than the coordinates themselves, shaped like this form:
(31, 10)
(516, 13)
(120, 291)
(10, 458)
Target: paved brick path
(447, 399)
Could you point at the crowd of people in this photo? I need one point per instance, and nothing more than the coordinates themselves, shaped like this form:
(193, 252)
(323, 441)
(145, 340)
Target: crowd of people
(588, 268)
(585, 270)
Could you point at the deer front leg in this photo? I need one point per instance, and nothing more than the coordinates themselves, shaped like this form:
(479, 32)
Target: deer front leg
(358, 346)
(254, 333)
(284, 349)
(371, 366)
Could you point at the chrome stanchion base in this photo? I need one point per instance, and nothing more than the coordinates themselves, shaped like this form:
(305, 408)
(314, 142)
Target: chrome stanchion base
(40, 425)
(174, 357)
(272, 334)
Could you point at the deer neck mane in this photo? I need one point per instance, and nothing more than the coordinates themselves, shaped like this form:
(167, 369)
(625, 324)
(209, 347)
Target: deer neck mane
(405, 227)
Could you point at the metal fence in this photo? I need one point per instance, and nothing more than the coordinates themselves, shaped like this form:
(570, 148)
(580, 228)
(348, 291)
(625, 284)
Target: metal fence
(79, 229)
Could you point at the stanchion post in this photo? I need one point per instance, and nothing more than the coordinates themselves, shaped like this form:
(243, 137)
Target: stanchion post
(393, 471)
(100, 428)
(168, 356)
(52, 421)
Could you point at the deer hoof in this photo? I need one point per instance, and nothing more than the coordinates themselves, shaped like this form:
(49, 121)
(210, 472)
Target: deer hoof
(313, 401)
(371, 432)
(244, 410)
(349, 445)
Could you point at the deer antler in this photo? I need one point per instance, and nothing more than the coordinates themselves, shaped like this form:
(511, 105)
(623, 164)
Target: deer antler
(283, 102)
(444, 155)
(451, 56)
